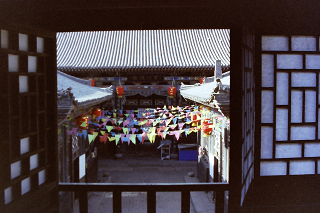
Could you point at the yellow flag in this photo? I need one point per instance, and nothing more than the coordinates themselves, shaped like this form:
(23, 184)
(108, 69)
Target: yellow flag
(112, 138)
(95, 135)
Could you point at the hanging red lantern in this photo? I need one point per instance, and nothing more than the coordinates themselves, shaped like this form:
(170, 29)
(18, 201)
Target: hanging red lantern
(82, 122)
(206, 127)
(96, 112)
(172, 91)
(120, 91)
(195, 119)
(93, 82)
(201, 80)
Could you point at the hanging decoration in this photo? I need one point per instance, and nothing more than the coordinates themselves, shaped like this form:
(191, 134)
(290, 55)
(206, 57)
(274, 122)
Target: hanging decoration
(127, 125)
(195, 118)
(201, 80)
(96, 113)
(82, 122)
(120, 91)
(172, 90)
(207, 128)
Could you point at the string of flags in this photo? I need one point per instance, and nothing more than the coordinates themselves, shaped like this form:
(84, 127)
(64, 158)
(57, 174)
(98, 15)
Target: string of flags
(132, 125)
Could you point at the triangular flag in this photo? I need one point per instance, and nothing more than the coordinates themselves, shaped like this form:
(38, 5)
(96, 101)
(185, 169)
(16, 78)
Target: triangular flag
(109, 128)
(177, 134)
(173, 126)
(152, 137)
(125, 130)
(139, 136)
(174, 120)
(186, 132)
(112, 138)
(90, 138)
(103, 139)
(155, 123)
(95, 134)
(102, 132)
(74, 130)
(133, 130)
(59, 130)
(85, 133)
(125, 123)
(144, 135)
(122, 137)
(133, 138)
(181, 125)
(117, 136)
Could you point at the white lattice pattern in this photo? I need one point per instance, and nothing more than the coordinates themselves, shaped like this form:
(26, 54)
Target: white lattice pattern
(289, 105)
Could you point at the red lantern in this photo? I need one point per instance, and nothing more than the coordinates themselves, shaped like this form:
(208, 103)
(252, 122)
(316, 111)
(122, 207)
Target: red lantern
(93, 82)
(82, 122)
(201, 80)
(96, 112)
(195, 119)
(206, 127)
(172, 91)
(120, 91)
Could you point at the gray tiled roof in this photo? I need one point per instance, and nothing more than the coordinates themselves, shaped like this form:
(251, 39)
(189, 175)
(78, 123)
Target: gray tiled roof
(211, 94)
(84, 94)
(145, 50)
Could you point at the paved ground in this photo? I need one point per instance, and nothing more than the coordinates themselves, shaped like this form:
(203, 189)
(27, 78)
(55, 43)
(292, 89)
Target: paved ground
(147, 170)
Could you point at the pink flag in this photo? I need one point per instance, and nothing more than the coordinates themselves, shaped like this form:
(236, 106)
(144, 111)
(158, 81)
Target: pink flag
(74, 130)
(144, 135)
(133, 130)
(160, 134)
(128, 136)
(177, 134)
(181, 125)
(125, 123)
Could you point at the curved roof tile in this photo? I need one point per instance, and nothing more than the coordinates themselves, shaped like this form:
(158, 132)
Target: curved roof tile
(84, 94)
(143, 50)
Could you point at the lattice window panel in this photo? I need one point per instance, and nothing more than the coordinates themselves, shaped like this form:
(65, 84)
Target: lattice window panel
(290, 105)
(28, 112)
(248, 103)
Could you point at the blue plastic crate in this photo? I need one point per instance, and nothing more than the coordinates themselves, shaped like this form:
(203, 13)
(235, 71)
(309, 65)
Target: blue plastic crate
(188, 155)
